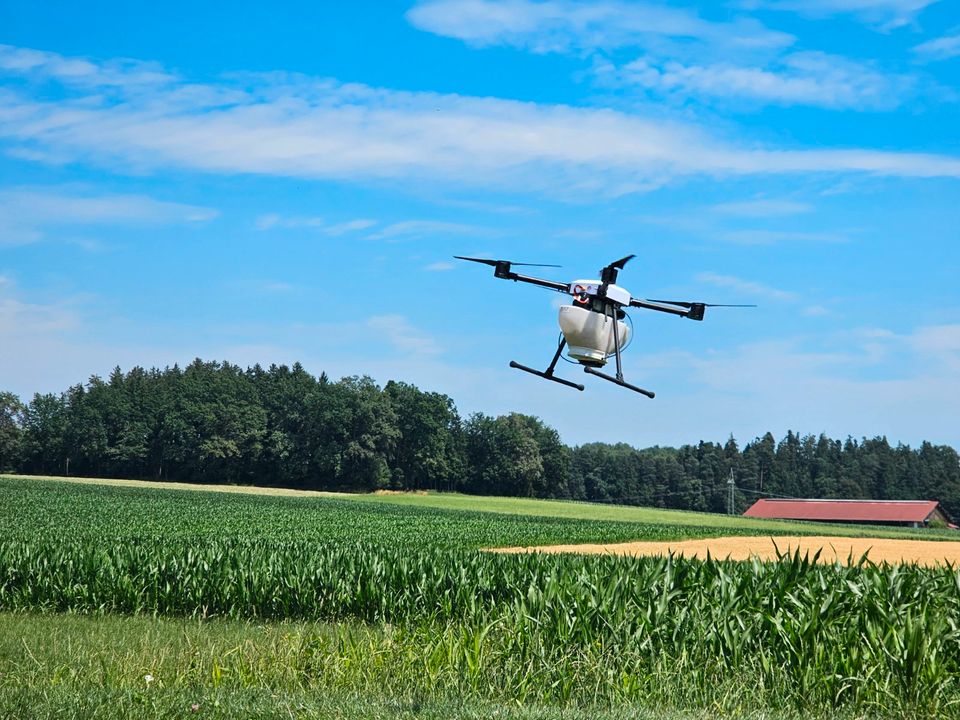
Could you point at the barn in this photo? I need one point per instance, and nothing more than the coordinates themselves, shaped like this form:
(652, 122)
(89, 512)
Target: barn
(908, 513)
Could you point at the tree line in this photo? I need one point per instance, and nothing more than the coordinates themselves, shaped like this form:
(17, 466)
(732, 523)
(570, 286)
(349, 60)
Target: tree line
(214, 422)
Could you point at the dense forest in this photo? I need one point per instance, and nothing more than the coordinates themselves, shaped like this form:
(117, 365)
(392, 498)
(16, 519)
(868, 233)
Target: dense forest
(214, 422)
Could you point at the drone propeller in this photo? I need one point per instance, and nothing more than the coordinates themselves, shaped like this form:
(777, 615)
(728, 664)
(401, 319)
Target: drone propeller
(621, 262)
(494, 263)
(608, 275)
(690, 305)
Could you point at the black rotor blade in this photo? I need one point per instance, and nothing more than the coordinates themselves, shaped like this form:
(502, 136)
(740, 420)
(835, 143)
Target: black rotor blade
(494, 263)
(621, 262)
(608, 275)
(681, 303)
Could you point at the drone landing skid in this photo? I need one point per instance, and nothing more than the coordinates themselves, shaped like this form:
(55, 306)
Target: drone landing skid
(619, 381)
(545, 375)
(548, 373)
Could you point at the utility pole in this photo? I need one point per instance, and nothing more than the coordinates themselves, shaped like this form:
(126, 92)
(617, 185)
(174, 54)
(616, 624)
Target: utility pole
(732, 487)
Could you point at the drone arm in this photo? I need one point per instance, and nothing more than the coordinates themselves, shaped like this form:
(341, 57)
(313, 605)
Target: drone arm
(516, 277)
(502, 269)
(694, 312)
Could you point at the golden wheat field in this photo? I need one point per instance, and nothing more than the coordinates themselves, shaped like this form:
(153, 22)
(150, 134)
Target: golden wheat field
(831, 549)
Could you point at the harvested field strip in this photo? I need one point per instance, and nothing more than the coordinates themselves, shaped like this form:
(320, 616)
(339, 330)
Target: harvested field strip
(170, 485)
(828, 549)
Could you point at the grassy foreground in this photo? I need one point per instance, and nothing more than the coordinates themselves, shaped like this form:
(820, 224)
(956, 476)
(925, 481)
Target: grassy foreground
(91, 667)
(147, 602)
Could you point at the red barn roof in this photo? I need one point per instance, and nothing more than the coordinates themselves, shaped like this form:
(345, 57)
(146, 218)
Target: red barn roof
(844, 510)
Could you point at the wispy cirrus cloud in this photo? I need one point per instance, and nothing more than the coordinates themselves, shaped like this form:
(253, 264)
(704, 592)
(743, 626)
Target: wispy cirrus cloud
(271, 221)
(767, 236)
(940, 343)
(883, 14)
(752, 222)
(563, 25)
(802, 78)
(348, 226)
(762, 208)
(941, 48)
(27, 214)
(744, 287)
(682, 54)
(21, 319)
(404, 337)
(301, 127)
(41, 64)
(420, 228)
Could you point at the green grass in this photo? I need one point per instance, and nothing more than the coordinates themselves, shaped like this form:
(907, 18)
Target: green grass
(31, 509)
(682, 523)
(87, 667)
(737, 524)
(257, 605)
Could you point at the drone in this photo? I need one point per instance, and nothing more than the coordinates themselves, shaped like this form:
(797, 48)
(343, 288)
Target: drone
(593, 325)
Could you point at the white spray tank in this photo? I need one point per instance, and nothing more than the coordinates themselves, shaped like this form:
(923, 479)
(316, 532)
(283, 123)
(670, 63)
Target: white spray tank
(589, 335)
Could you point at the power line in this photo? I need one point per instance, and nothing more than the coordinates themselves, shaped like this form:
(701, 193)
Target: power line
(769, 494)
(732, 488)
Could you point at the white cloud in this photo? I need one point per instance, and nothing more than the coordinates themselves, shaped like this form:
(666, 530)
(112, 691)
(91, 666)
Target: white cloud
(419, 228)
(772, 237)
(404, 336)
(778, 385)
(746, 287)
(28, 213)
(274, 220)
(940, 343)
(20, 318)
(81, 71)
(685, 55)
(265, 222)
(298, 127)
(563, 26)
(440, 266)
(347, 226)
(740, 223)
(762, 208)
(802, 78)
(941, 48)
(884, 14)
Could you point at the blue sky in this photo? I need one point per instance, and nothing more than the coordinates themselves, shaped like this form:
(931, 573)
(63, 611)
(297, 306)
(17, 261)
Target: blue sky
(272, 184)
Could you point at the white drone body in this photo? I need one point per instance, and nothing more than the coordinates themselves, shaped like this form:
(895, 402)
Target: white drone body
(589, 335)
(593, 324)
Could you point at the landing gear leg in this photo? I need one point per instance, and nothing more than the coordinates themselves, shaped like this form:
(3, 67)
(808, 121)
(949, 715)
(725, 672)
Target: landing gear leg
(618, 380)
(548, 374)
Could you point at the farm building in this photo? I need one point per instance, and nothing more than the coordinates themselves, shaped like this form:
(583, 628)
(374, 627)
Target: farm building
(909, 513)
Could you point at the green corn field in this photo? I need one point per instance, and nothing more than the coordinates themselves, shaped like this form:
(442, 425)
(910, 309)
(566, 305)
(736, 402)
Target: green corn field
(416, 607)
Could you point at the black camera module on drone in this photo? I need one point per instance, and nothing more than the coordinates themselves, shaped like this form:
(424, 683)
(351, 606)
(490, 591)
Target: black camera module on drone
(593, 326)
